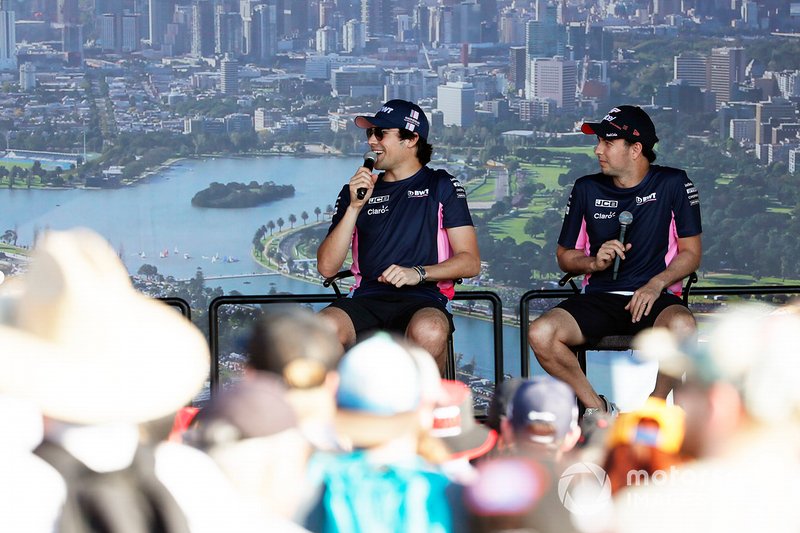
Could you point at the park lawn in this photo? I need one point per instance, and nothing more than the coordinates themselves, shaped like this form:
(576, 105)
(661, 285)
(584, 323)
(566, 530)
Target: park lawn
(781, 210)
(587, 150)
(510, 226)
(10, 164)
(484, 192)
(546, 174)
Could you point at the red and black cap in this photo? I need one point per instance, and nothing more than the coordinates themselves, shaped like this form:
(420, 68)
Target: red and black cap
(624, 122)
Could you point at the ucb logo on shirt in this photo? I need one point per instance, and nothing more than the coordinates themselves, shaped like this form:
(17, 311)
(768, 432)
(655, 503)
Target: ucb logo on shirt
(418, 194)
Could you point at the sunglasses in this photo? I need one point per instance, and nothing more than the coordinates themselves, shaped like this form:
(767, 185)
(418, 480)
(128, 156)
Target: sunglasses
(379, 133)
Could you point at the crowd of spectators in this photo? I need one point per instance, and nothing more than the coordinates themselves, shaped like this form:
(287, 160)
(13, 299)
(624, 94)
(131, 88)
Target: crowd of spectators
(372, 440)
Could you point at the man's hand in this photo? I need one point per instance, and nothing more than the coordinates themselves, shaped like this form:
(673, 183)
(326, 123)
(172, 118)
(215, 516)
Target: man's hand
(643, 299)
(399, 276)
(362, 179)
(606, 254)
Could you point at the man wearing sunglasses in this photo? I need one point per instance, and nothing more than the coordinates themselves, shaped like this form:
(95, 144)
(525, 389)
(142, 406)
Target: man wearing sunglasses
(411, 236)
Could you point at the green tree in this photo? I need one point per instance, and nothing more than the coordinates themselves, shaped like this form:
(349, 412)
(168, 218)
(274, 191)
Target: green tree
(304, 216)
(280, 222)
(317, 212)
(292, 220)
(271, 227)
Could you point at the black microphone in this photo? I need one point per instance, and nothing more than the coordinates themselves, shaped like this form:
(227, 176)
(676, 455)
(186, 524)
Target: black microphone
(369, 162)
(625, 218)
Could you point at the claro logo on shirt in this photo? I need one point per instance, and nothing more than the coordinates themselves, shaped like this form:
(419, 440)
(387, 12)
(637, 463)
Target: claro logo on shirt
(418, 194)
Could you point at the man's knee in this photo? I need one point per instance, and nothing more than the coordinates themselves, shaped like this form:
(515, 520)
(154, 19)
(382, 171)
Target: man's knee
(345, 330)
(542, 333)
(429, 329)
(677, 319)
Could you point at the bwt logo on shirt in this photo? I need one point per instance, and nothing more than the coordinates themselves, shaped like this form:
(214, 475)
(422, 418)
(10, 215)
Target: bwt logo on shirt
(643, 200)
(378, 199)
(605, 203)
(418, 194)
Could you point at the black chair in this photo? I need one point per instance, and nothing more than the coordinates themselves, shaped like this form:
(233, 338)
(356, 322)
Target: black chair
(450, 363)
(612, 343)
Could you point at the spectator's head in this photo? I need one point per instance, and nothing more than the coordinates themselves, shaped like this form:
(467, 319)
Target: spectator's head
(648, 439)
(83, 344)
(498, 408)
(251, 432)
(742, 374)
(544, 415)
(454, 423)
(627, 122)
(379, 393)
(303, 349)
(404, 116)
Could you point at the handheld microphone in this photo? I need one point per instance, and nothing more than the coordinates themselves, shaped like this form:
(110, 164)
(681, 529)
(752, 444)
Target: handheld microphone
(625, 218)
(369, 162)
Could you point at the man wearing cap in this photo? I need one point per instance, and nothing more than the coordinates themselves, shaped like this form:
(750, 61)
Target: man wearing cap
(662, 246)
(411, 234)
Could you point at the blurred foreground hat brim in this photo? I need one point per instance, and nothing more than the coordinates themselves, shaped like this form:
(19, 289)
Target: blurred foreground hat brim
(86, 347)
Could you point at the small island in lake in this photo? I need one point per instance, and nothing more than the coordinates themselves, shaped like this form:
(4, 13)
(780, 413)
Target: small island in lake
(231, 195)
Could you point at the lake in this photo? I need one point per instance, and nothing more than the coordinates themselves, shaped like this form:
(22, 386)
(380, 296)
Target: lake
(155, 218)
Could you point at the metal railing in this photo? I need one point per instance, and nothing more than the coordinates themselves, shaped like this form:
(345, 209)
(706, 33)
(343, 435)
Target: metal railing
(738, 290)
(219, 302)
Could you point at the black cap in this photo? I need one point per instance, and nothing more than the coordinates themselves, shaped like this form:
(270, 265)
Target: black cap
(624, 122)
(397, 114)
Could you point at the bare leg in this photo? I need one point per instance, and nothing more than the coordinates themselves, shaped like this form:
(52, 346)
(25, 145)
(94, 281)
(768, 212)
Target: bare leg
(344, 326)
(551, 336)
(429, 328)
(680, 322)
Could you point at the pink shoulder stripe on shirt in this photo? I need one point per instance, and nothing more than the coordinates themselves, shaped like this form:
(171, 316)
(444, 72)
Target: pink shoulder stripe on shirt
(444, 252)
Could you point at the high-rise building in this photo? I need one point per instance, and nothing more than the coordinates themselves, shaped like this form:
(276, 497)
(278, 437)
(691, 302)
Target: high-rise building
(726, 70)
(377, 17)
(543, 36)
(770, 114)
(202, 28)
(355, 36)
(110, 32)
(517, 62)
(265, 33)
(72, 41)
(68, 12)
(131, 32)
(229, 76)
(326, 40)
(555, 79)
(159, 15)
(511, 27)
(692, 69)
(8, 38)
(456, 101)
(298, 20)
(600, 43)
(403, 84)
(227, 31)
(27, 77)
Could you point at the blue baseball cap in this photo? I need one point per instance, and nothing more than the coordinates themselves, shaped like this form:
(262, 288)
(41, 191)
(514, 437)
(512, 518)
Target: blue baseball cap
(544, 400)
(399, 114)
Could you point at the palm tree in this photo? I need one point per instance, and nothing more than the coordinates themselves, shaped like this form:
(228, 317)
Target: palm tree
(317, 212)
(270, 227)
(9, 236)
(281, 222)
(329, 210)
(292, 220)
(304, 216)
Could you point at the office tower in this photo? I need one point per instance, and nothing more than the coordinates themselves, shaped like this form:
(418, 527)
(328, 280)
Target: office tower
(403, 84)
(130, 40)
(229, 76)
(456, 101)
(576, 40)
(227, 31)
(512, 28)
(771, 114)
(202, 28)
(517, 62)
(327, 10)
(72, 40)
(27, 77)
(692, 69)
(377, 17)
(600, 43)
(159, 15)
(326, 40)
(726, 71)
(298, 20)
(110, 32)
(8, 38)
(68, 12)
(265, 33)
(467, 22)
(543, 36)
(555, 79)
(422, 22)
(355, 36)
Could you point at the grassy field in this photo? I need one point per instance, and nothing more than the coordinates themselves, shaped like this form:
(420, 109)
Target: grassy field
(587, 150)
(545, 174)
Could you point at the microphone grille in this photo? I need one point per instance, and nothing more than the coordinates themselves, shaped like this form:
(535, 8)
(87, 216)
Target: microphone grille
(371, 155)
(625, 218)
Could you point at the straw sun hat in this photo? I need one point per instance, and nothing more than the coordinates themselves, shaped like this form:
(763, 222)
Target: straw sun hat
(88, 348)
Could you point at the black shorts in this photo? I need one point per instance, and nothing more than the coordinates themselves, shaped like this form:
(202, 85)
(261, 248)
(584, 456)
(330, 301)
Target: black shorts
(387, 312)
(601, 314)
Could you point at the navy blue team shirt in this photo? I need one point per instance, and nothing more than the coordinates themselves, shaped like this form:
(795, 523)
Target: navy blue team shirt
(665, 207)
(404, 223)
